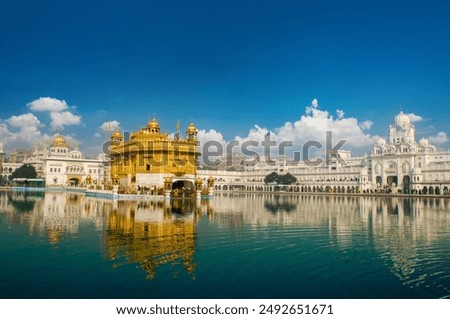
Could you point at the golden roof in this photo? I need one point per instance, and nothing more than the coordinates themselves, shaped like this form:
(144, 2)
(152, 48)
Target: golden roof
(59, 141)
(153, 124)
(191, 128)
(116, 134)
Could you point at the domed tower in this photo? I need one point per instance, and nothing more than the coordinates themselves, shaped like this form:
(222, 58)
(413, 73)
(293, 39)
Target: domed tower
(402, 120)
(402, 132)
(423, 142)
(191, 132)
(116, 137)
(59, 146)
(153, 126)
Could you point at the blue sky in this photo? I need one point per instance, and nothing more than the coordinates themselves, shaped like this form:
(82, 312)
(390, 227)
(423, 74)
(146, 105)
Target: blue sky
(227, 65)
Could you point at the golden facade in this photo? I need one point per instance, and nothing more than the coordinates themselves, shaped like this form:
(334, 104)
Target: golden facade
(149, 158)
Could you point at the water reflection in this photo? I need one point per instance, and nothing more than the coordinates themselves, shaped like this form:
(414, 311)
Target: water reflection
(279, 204)
(149, 234)
(410, 236)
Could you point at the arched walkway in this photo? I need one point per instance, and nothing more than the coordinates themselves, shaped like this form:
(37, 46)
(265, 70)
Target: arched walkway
(437, 191)
(74, 181)
(431, 190)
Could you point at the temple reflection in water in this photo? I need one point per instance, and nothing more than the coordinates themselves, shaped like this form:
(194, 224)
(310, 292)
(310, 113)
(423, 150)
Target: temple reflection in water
(403, 231)
(149, 234)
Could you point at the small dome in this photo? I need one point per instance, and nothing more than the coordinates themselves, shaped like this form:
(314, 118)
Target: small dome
(116, 135)
(191, 129)
(153, 124)
(402, 119)
(381, 142)
(423, 142)
(59, 141)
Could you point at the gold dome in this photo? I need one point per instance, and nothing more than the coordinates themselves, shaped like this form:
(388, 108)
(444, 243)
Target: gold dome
(153, 124)
(191, 129)
(59, 141)
(116, 135)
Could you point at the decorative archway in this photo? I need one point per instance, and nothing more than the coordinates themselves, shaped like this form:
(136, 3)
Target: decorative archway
(183, 184)
(379, 181)
(393, 179)
(74, 181)
(437, 190)
(424, 190)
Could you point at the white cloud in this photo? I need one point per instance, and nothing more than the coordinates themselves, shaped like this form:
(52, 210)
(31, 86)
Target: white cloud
(26, 130)
(97, 135)
(366, 125)
(5, 134)
(312, 126)
(22, 131)
(110, 126)
(414, 118)
(211, 135)
(48, 104)
(24, 120)
(61, 119)
(439, 138)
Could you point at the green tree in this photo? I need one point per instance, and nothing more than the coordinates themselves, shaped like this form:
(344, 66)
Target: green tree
(287, 179)
(274, 177)
(271, 178)
(24, 171)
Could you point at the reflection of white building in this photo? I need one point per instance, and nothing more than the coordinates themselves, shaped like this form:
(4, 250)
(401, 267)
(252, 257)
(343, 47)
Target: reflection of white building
(399, 165)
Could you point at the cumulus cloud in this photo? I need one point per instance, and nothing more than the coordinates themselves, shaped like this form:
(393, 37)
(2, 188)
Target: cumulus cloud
(22, 131)
(48, 104)
(62, 119)
(5, 134)
(312, 126)
(414, 118)
(110, 126)
(211, 135)
(24, 120)
(366, 125)
(439, 139)
(26, 130)
(97, 135)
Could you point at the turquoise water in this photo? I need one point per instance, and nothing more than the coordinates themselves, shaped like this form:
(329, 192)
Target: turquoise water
(67, 245)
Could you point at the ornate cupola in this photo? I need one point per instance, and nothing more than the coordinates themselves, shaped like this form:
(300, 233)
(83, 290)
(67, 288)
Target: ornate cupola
(116, 137)
(153, 126)
(403, 131)
(59, 146)
(191, 132)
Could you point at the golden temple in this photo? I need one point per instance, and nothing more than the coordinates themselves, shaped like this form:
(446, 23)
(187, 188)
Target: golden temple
(150, 160)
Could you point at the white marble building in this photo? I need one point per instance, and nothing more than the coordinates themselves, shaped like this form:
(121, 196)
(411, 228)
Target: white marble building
(67, 167)
(61, 165)
(400, 165)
